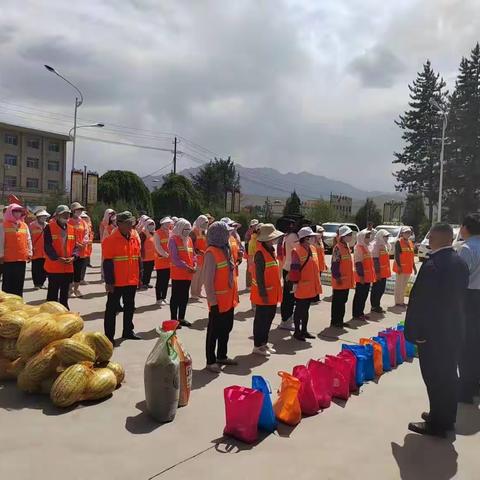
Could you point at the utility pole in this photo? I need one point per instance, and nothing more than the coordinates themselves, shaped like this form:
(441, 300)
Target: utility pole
(175, 155)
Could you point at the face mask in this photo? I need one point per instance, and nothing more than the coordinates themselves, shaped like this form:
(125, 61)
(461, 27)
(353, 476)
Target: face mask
(151, 228)
(41, 220)
(62, 221)
(186, 232)
(17, 215)
(77, 213)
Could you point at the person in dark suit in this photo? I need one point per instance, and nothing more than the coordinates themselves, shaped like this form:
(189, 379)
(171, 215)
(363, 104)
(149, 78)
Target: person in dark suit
(435, 322)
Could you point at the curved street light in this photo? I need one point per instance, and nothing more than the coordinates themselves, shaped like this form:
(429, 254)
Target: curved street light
(92, 125)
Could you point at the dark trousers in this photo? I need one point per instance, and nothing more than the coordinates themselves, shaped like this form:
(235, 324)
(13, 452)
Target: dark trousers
(378, 289)
(438, 365)
(14, 277)
(77, 269)
(218, 332)
(469, 366)
(58, 286)
(39, 275)
(339, 300)
(86, 263)
(360, 299)
(179, 299)
(147, 272)
(300, 317)
(127, 294)
(288, 302)
(264, 315)
(161, 287)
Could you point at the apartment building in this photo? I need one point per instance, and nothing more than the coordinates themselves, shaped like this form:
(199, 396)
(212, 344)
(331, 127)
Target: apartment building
(33, 162)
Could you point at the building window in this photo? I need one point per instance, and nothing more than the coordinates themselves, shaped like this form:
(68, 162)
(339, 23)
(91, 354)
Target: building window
(33, 143)
(10, 182)
(53, 166)
(11, 160)
(32, 183)
(33, 162)
(52, 185)
(11, 139)
(53, 147)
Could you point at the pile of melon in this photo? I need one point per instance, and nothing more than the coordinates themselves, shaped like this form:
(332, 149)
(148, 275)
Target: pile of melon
(45, 349)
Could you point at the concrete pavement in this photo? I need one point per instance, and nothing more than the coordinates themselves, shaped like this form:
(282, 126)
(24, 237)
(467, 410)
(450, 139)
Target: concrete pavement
(366, 437)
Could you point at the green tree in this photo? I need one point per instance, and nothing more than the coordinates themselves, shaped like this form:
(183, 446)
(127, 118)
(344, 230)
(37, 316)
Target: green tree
(368, 212)
(422, 131)
(414, 213)
(176, 196)
(293, 205)
(126, 187)
(322, 212)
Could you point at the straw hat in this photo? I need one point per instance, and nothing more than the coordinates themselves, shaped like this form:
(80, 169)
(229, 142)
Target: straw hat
(344, 230)
(306, 232)
(268, 232)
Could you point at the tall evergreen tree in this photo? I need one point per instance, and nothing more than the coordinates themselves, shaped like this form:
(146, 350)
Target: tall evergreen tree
(422, 132)
(414, 214)
(368, 212)
(293, 205)
(462, 173)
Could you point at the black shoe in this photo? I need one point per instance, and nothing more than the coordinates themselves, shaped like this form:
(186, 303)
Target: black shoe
(378, 310)
(132, 336)
(299, 336)
(185, 323)
(308, 335)
(425, 428)
(149, 286)
(426, 416)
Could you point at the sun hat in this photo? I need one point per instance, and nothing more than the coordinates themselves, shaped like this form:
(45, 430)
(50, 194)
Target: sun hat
(165, 220)
(268, 232)
(306, 232)
(42, 213)
(126, 217)
(406, 229)
(76, 206)
(253, 222)
(61, 209)
(320, 229)
(344, 230)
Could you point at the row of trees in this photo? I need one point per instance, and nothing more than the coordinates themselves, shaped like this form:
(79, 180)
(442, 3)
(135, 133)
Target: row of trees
(422, 132)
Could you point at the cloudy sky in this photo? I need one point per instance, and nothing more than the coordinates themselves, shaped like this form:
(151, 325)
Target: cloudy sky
(292, 84)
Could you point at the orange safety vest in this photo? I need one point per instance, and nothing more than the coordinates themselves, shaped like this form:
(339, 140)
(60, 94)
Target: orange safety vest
(80, 228)
(63, 242)
(309, 285)
(235, 249)
(271, 277)
(346, 268)
(321, 257)
(200, 244)
(407, 257)
(16, 242)
(227, 296)
(89, 247)
(125, 254)
(148, 253)
(186, 254)
(36, 233)
(162, 263)
(384, 259)
(368, 266)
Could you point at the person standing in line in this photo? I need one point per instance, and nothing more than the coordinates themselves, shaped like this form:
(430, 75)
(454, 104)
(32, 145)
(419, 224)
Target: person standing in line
(434, 322)
(305, 277)
(249, 236)
(61, 249)
(469, 365)
(148, 252)
(364, 274)
(342, 275)
(266, 291)
(122, 265)
(322, 266)
(162, 260)
(108, 224)
(290, 241)
(234, 242)
(88, 248)
(222, 296)
(403, 265)
(182, 268)
(15, 249)
(83, 239)
(381, 262)
(39, 275)
(199, 239)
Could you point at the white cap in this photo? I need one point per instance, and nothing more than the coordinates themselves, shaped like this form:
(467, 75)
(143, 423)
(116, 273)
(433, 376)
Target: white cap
(42, 213)
(253, 222)
(166, 220)
(405, 229)
(306, 232)
(84, 215)
(344, 230)
(320, 229)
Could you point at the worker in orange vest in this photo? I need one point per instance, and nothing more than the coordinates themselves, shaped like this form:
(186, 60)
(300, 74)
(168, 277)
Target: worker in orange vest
(60, 252)
(342, 275)
(89, 248)
(39, 275)
(322, 266)
(183, 265)
(222, 295)
(235, 242)
(162, 260)
(148, 252)
(15, 249)
(305, 277)
(108, 224)
(364, 273)
(266, 291)
(403, 265)
(122, 265)
(381, 261)
(199, 239)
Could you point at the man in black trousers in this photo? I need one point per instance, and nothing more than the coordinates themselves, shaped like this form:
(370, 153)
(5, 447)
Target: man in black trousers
(435, 322)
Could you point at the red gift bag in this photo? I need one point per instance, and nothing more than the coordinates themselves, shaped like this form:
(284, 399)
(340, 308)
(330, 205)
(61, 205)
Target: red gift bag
(242, 411)
(392, 346)
(306, 395)
(322, 380)
(341, 376)
(351, 359)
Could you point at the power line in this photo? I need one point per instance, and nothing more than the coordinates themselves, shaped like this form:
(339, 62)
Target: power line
(114, 142)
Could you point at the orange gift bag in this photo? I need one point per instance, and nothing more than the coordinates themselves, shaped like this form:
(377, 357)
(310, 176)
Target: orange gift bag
(287, 407)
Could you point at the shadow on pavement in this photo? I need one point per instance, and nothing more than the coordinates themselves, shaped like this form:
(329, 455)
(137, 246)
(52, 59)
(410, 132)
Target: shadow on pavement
(246, 364)
(146, 308)
(397, 310)
(242, 316)
(201, 378)
(231, 445)
(468, 419)
(142, 423)
(331, 334)
(423, 457)
(93, 316)
(88, 296)
(149, 335)
(200, 324)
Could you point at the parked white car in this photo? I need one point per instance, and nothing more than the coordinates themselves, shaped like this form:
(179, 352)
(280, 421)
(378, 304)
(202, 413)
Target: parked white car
(424, 245)
(330, 233)
(394, 231)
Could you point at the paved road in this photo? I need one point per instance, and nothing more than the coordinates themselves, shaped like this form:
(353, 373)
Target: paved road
(364, 438)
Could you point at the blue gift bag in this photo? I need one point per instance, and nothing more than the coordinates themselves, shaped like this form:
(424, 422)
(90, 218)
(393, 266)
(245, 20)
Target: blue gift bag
(385, 355)
(267, 420)
(365, 366)
(409, 346)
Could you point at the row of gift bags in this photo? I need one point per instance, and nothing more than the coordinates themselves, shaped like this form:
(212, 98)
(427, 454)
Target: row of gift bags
(311, 388)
